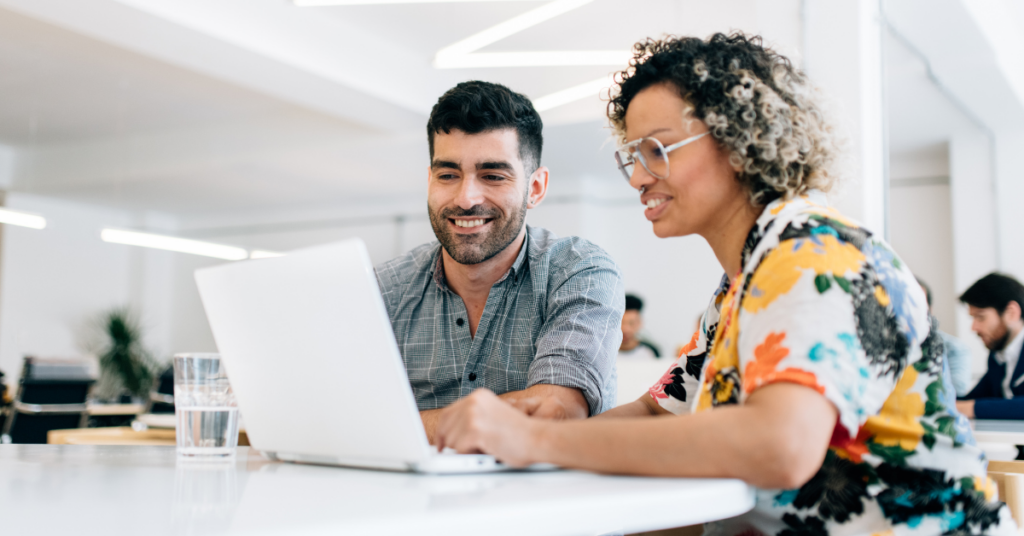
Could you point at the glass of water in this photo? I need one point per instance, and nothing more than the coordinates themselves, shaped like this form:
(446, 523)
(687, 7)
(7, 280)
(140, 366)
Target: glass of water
(204, 405)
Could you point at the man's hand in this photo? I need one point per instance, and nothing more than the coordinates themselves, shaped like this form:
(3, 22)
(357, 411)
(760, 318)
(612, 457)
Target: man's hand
(966, 408)
(549, 402)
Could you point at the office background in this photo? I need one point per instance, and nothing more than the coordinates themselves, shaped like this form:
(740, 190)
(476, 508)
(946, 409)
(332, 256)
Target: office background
(270, 126)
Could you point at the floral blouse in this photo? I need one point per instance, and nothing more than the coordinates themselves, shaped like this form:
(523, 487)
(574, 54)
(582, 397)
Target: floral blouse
(822, 303)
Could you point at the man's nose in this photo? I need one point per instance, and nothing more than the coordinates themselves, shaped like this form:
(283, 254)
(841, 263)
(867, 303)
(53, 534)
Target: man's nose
(470, 193)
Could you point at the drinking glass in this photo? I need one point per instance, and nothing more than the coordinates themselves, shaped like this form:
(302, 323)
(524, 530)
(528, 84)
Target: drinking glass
(205, 407)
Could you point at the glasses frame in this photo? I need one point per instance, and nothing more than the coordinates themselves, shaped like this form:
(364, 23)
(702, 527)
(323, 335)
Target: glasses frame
(629, 150)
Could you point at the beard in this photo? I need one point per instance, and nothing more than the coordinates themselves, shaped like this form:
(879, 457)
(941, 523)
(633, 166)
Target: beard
(477, 247)
(999, 342)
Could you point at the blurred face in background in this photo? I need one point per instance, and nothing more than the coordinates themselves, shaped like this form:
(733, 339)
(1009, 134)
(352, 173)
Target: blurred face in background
(995, 330)
(631, 326)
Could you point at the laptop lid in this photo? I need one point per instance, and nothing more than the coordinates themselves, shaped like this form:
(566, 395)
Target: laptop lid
(311, 355)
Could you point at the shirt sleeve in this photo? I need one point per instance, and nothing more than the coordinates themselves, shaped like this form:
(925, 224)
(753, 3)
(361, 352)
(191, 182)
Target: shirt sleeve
(582, 332)
(799, 324)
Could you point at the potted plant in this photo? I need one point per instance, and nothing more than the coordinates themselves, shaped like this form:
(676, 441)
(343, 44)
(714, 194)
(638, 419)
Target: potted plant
(126, 369)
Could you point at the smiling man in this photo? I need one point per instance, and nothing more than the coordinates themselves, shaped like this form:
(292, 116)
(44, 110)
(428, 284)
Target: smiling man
(495, 303)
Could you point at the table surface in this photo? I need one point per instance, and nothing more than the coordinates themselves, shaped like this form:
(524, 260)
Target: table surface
(51, 489)
(998, 431)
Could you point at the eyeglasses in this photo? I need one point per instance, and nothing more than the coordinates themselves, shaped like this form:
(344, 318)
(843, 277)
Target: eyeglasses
(651, 154)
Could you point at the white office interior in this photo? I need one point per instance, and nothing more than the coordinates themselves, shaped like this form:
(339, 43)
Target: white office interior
(270, 125)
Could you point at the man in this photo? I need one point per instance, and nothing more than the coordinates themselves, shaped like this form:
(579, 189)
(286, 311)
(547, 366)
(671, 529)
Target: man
(958, 354)
(994, 303)
(494, 302)
(632, 348)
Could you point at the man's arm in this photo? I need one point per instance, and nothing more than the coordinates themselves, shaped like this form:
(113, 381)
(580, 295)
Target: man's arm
(992, 408)
(541, 400)
(981, 390)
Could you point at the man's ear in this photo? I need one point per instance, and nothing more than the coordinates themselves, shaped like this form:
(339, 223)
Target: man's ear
(538, 187)
(1012, 313)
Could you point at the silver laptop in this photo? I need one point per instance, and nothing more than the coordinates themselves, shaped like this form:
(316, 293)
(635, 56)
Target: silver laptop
(313, 362)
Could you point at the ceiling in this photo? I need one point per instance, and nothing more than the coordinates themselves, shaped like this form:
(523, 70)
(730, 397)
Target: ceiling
(194, 107)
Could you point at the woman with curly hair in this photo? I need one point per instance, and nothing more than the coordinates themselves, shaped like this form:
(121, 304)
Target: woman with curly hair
(816, 375)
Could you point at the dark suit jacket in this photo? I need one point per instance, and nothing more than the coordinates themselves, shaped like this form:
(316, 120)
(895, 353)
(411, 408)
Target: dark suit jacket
(988, 394)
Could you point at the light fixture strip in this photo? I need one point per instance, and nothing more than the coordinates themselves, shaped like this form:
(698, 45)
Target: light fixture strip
(22, 219)
(574, 93)
(173, 243)
(314, 3)
(507, 28)
(545, 58)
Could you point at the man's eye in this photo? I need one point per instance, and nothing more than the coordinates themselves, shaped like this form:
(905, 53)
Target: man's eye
(446, 176)
(494, 177)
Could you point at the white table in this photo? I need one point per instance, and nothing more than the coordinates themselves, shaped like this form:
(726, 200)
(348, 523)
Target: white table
(998, 431)
(73, 489)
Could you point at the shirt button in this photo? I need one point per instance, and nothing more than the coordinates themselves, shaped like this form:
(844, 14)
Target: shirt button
(472, 376)
(459, 322)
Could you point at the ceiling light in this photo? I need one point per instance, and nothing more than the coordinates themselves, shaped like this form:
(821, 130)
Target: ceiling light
(574, 93)
(22, 219)
(544, 58)
(305, 3)
(461, 54)
(173, 243)
(264, 254)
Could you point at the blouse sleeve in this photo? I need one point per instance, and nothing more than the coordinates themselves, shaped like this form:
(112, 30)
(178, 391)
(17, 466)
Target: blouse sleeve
(678, 389)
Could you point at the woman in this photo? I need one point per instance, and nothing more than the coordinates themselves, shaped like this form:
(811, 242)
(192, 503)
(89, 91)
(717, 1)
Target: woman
(816, 375)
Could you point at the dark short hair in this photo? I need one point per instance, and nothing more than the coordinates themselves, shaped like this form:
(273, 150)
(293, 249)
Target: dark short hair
(994, 290)
(633, 303)
(474, 107)
(927, 290)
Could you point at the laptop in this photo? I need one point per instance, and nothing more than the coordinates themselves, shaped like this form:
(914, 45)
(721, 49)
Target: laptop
(314, 365)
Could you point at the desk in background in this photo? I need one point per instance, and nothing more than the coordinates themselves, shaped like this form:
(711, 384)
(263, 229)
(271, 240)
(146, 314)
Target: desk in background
(998, 431)
(53, 489)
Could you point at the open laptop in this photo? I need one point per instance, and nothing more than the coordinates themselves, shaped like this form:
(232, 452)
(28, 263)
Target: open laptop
(313, 362)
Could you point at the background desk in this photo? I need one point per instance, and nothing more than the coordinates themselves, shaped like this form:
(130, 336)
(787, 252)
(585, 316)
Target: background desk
(70, 489)
(998, 431)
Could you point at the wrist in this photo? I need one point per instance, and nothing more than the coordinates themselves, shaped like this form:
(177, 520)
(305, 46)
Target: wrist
(540, 440)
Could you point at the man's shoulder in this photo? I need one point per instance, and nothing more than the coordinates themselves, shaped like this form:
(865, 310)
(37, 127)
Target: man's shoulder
(419, 260)
(569, 254)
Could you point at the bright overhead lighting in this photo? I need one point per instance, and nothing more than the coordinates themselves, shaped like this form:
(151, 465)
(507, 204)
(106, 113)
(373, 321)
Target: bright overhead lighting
(572, 94)
(173, 243)
(305, 3)
(544, 58)
(264, 254)
(22, 219)
(463, 53)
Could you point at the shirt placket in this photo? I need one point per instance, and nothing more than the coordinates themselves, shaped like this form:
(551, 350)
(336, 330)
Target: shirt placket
(472, 377)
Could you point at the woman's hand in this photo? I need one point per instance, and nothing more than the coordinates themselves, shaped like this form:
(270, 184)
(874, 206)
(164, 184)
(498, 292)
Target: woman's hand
(484, 423)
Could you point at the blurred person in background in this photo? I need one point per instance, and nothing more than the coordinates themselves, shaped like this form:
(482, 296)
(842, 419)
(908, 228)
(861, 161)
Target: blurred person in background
(633, 348)
(958, 354)
(495, 302)
(994, 302)
(816, 375)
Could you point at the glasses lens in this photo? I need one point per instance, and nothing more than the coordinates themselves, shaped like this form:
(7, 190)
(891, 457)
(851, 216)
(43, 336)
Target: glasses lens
(652, 155)
(625, 163)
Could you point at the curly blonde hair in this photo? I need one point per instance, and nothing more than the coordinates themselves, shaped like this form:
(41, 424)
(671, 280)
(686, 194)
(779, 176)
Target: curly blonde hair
(754, 103)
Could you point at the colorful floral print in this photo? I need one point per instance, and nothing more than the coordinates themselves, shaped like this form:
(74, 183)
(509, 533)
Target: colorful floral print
(822, 303)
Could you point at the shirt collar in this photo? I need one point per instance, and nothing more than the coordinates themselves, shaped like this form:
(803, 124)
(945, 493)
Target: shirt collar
(1012, 350)
(514, 271)
(785, 210)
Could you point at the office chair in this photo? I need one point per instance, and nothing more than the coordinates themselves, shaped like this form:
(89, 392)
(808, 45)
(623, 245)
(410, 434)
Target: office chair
(161, 398)
(51, 396)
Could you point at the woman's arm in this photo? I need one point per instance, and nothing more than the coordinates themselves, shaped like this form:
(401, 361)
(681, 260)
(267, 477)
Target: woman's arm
(777, 439)
(645, 406)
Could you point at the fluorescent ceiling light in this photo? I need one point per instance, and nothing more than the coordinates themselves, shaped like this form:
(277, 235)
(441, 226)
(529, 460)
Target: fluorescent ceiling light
(463, 53)
(572, 94)
(305, 3)
(173, 243)
(22, 219)
(544, 58)
(264, 254)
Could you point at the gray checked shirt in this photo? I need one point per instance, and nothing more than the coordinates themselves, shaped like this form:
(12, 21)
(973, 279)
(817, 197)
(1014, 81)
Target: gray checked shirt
(554, 318)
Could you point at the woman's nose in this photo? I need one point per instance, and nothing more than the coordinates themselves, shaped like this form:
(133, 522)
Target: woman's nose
(641, 177)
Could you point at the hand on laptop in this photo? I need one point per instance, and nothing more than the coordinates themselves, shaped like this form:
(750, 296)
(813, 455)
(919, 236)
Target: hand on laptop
(549, 402)
(484, 423)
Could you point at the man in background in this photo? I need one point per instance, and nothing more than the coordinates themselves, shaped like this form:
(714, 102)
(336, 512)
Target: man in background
(994, 303)
(632, 347)
(958, 354)
(495, 303)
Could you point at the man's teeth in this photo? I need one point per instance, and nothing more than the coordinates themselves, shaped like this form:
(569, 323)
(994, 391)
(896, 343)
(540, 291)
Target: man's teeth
(655, 202)
(469, 223)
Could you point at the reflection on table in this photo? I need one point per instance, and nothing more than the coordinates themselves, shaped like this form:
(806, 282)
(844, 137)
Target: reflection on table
(148, 489)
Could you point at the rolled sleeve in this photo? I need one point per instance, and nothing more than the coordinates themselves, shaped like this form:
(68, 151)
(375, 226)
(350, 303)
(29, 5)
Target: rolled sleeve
(582, 332)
